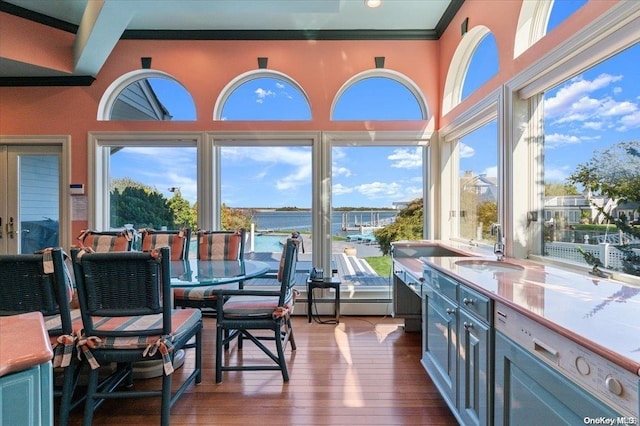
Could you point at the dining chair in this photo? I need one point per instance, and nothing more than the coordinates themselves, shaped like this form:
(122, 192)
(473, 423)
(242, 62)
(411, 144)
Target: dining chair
(241, 312)
(106, 241)
(212, 245)
(122, 299)
(178, 240)
(40, 282)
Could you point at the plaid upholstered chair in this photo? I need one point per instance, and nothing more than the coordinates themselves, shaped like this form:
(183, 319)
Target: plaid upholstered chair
(122, 299)
(177, 241)
(101, 242)
(212, 245)
(40, 282)
(239, 313)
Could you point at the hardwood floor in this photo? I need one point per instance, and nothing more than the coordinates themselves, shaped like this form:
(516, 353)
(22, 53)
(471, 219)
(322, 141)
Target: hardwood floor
(363, 371)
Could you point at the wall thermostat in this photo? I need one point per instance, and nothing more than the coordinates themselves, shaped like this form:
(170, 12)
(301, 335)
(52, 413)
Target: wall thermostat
(76, 189)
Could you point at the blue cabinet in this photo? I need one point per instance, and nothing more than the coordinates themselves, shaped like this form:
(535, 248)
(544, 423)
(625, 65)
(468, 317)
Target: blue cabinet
(474, 392)
(26, 397)
(440, 341)
(528, 392)
(457, 346)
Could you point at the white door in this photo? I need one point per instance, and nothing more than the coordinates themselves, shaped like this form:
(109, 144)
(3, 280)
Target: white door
(30, 197)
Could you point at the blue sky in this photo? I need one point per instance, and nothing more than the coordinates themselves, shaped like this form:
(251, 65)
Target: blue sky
(589, 112)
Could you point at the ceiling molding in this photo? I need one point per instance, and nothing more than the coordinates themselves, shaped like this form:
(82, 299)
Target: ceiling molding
(39, 18)
(448, 16)
(72, 80)
(279, 35)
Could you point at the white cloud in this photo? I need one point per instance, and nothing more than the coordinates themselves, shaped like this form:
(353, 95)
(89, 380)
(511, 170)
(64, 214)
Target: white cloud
(466, 151)
(262, 94)
(406, 158)
(576, 89)
(340, 171)
(379, 189)
(300, 176)
(340, 189)
(577, 103)
(491, 171)
(555, 140)
(630, 121)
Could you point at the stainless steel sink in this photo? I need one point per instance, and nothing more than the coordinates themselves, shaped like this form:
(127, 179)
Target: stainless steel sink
(488, 265)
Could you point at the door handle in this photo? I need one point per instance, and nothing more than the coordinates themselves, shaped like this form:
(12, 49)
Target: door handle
(10, 232)
(0, 228)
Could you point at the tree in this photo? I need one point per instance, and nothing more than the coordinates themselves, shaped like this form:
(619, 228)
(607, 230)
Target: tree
(552, 189)
(615, 173)
(234, 218)
(141, 207)
(407, 226)
(183, 213)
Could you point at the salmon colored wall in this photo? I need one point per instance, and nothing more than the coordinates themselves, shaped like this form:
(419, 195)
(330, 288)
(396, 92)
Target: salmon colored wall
(205, 67)
(27, 41)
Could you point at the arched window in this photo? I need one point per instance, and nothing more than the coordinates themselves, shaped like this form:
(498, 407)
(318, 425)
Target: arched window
(146, 95)
(538, 18)
(483, 65)
(377, 96)
(561, 10)
(262, 96)
(476, 60)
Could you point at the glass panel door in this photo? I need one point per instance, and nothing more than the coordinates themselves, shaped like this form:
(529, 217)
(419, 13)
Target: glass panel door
(30, 206)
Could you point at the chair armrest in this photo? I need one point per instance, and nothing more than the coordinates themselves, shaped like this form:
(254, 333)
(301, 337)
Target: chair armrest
(226, 293)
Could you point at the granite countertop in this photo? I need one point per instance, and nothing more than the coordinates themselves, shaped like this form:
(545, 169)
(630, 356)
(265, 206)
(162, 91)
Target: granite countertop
(24, 342)
(600, 314)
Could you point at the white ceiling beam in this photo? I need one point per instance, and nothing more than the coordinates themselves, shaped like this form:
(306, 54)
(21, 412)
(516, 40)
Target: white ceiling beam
(102, 24)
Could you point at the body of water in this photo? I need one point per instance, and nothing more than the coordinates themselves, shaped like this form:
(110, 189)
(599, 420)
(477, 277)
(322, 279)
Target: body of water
(301, 221)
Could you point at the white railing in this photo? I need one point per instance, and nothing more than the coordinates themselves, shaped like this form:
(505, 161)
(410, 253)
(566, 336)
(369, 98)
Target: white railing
(609, 255)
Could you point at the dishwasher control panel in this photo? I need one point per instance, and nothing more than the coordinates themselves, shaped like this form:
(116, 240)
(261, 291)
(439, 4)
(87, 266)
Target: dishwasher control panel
(605, 380)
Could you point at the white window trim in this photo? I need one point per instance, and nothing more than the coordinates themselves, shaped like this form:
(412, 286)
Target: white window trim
(98, 165)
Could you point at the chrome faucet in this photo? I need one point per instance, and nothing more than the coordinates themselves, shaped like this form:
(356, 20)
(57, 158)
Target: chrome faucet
(498, 247)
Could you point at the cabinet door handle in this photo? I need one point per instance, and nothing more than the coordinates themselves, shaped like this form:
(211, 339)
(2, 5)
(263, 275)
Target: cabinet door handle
(468, 325)
(467, 301)
(451, 311)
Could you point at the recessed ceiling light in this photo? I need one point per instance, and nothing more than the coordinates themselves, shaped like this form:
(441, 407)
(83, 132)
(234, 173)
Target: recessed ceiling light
(372, 3)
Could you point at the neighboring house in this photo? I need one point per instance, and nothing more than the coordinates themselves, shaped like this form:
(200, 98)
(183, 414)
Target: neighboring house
(484, 186)
(138, 101)
(572, 207)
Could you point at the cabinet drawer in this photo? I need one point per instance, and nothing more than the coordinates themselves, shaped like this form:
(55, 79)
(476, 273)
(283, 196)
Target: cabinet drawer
(476, 303)
(447, 286)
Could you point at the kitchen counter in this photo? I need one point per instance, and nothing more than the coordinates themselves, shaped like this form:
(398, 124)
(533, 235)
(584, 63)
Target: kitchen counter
(24, 342)
(600, 314)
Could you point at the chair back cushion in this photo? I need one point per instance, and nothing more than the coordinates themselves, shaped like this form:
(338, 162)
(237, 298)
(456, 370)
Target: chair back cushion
(177, 241)
(102, 242)
(120, 284)
(221, 245)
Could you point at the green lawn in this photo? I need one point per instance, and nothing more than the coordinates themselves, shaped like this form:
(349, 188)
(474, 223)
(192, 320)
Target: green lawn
(380, 264)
